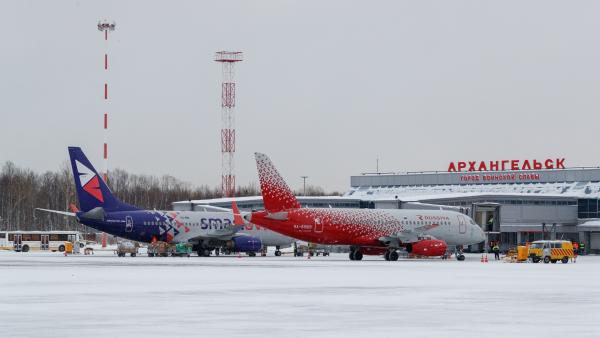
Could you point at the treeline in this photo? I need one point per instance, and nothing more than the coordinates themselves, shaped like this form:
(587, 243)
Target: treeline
(22, 190)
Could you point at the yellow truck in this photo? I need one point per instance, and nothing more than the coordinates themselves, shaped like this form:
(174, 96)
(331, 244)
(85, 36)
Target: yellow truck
(551, 251)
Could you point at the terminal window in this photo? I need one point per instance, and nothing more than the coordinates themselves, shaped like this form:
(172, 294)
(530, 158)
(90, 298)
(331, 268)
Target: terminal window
(587, 208)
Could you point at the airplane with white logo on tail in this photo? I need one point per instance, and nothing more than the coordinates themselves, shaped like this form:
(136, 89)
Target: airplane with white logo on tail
(205, 230)
(367, 231)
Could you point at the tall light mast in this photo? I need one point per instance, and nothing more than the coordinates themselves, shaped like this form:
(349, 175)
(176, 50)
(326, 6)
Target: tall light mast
(228, 60)
(105, 26)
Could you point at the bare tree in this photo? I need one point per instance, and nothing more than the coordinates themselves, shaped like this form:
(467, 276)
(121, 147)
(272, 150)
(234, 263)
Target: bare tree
(22, 190)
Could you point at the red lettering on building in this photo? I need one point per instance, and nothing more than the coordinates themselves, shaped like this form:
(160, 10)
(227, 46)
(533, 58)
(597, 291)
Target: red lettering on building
(504, 165)
(493, 165)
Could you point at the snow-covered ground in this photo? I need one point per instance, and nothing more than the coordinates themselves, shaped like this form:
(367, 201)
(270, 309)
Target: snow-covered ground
(49, 295)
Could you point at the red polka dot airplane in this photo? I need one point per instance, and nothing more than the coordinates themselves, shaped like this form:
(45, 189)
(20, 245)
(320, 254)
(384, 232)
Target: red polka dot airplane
(366, 231)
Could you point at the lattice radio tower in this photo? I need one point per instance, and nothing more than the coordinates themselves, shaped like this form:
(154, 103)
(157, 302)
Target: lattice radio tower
(228, 60)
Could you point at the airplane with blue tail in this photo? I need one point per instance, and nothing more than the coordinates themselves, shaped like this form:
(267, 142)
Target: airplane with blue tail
(205, 230)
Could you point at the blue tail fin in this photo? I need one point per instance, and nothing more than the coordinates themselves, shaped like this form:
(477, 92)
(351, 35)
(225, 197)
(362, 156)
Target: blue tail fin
(92, 192)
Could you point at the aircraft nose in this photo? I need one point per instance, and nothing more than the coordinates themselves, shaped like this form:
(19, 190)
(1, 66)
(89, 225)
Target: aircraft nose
(480, 234)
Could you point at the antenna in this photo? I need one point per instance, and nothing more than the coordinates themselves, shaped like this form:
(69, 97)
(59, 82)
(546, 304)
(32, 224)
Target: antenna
(228, 60)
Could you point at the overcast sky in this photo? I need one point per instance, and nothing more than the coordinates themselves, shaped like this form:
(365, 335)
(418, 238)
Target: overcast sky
(325, 88)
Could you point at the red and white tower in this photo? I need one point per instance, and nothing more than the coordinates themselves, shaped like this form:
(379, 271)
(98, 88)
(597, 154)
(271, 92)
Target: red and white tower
(228, 60)
(105, 26)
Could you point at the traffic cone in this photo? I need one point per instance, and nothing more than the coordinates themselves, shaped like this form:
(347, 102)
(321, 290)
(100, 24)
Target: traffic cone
(482, 259)
(485, 260)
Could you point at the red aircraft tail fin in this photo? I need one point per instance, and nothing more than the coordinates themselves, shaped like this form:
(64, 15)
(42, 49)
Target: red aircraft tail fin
(277, 196)
(237, 216)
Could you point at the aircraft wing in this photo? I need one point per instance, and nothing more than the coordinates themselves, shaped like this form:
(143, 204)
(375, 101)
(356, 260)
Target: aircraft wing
(230, 231)
(210, 208)
(407, 236)
(223, 234)
(66, 213)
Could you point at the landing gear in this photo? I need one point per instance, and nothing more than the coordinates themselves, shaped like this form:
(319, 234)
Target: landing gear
(355, 254)
(391, 255)
(252, 254)
(204, 252)
(277, 253)
(459, 253)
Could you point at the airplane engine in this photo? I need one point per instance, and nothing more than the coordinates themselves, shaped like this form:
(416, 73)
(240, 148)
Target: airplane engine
(428, 247)
(245, 244)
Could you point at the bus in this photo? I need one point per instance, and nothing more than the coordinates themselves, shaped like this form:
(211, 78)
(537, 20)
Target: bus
(37, 240)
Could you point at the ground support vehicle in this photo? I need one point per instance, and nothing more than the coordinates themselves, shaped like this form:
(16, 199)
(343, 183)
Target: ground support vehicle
(519, 254)
(156, 249)
(24, 241)
(125, 248)
(164, 249)
(322, 250)
(551, 251)
(181, 249)
(311, 249)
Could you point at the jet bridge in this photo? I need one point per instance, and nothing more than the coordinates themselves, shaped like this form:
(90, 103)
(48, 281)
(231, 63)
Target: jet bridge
(487, 215)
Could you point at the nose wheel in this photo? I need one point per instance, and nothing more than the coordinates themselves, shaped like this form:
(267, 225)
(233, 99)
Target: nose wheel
(391, 255)
(459, 253)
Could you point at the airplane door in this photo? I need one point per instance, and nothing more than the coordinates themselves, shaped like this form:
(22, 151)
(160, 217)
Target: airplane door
(44, 242)
(128, 224)
(318, 225)
(462, 225)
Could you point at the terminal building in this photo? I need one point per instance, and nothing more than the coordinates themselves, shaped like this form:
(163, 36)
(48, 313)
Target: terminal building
(512, 206)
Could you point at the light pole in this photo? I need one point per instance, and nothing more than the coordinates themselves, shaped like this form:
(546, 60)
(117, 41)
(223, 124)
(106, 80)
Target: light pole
(304, 180)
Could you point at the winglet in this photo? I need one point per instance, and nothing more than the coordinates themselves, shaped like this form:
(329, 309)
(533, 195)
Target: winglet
(237, 216)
